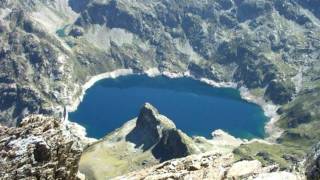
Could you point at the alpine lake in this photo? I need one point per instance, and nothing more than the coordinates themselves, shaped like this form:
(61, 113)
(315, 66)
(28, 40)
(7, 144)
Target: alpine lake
(195, 107)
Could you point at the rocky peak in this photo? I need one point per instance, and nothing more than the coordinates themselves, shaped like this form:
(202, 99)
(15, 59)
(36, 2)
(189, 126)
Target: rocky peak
(156, 131)
(149, 117)
(149, 127)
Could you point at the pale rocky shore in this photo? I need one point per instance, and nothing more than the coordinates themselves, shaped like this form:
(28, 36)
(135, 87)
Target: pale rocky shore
(78, 98)
(273, 132)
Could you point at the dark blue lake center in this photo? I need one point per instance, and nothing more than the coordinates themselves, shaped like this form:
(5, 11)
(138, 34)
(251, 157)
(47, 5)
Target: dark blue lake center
(195, 107)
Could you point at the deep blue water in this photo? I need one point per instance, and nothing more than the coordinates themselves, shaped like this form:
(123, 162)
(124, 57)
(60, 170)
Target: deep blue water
(195, 107)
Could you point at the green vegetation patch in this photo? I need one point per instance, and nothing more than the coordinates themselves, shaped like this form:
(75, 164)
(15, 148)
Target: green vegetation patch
(300, 120)
(268, 154)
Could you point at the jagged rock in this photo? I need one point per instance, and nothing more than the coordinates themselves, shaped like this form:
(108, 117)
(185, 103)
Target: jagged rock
(157, 131)
(244, 168)
(149, 127)
(209, 166)
(173, 144)
(313, 163)
(40, 148)
(228, 20)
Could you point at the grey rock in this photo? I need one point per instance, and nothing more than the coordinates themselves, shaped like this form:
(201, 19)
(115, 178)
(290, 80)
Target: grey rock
(149, 128)
(38, 148)
(313, 163)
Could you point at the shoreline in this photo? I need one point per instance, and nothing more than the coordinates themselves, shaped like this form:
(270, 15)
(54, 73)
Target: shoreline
(113, 74)
(269, 109)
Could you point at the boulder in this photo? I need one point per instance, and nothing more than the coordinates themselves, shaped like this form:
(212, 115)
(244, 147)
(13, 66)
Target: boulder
(244, 168)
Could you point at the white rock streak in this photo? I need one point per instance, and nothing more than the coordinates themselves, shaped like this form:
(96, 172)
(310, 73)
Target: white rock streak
(113, 74)
(270, 110)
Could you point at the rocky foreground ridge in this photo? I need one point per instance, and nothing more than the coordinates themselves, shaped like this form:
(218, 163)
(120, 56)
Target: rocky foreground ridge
(40, 148)
(211, 166)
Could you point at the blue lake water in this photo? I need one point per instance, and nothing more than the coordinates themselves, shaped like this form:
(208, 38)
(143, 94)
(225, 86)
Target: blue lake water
(195, 107)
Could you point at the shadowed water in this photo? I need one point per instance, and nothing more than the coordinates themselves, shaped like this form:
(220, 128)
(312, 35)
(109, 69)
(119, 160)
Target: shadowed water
(195, 107)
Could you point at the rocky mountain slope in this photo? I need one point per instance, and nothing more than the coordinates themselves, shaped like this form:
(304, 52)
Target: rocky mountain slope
(50, 48)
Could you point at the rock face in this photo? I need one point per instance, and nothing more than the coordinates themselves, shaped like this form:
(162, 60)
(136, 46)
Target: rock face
(156, 131)
(159, 133)
(40, 148)
(173, 144)
(149, 127)
(210, 166)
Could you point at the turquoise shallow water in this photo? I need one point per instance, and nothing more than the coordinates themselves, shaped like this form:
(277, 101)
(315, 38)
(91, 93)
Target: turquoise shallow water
(195, 107)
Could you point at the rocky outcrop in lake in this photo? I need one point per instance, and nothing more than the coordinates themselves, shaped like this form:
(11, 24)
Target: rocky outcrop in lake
(155, 131)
